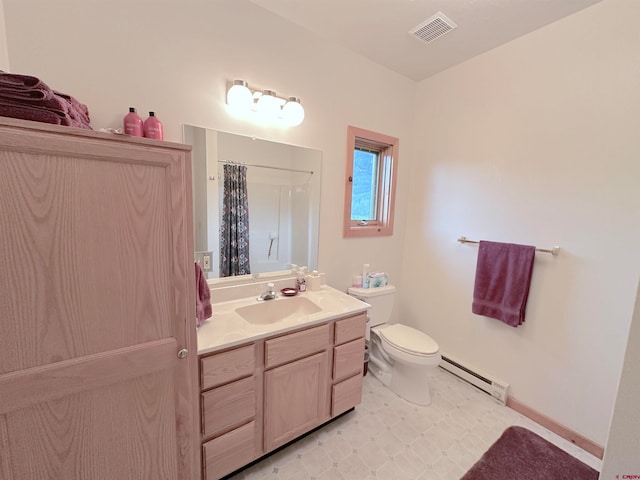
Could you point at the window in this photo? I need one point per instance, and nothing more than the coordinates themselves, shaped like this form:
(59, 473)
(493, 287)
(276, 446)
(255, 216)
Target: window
(372, 160)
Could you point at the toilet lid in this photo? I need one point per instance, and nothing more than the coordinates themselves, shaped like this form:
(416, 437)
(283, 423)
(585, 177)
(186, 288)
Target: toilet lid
(409, 340)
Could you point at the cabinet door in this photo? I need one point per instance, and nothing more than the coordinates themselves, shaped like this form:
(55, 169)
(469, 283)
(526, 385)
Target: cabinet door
(295, 399)
(98, 297)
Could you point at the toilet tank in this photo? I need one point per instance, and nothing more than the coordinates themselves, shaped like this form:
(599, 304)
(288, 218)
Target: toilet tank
(381, 301)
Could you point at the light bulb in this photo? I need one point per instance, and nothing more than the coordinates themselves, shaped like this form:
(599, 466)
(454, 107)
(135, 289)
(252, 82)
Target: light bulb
(293, 112)
(239, 96)
(268, 105)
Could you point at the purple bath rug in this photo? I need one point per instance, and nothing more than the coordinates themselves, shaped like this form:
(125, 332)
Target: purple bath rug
(521, 454)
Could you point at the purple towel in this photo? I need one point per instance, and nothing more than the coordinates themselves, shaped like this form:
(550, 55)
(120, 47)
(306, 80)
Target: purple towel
(77, 110)
(50, 102)
(25, 94)
(41, 114)
(29, 98)
(37, 114)
(203, 297)
(503, 277)
(16, 80)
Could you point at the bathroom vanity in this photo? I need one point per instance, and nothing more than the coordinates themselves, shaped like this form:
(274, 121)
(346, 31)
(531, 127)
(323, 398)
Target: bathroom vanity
(287, 377)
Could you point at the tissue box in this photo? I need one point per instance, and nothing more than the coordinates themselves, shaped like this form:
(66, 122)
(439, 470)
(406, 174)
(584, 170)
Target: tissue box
(379, 279)
(315, 281)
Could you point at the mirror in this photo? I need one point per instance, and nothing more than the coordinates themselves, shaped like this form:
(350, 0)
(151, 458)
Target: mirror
(283, 190)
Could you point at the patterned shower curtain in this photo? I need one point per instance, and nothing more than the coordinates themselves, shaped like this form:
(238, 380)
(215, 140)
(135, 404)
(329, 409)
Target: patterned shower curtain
(234, 224)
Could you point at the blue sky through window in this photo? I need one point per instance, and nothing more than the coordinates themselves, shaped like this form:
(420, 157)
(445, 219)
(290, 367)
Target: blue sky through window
(364, 187)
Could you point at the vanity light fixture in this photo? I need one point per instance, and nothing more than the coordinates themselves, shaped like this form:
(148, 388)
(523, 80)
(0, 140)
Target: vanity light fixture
(265, 103)
(239, 95)
(268, 105)
(293, 111)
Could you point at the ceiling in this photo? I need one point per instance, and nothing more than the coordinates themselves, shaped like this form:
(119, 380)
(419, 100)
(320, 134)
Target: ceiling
(379, 29)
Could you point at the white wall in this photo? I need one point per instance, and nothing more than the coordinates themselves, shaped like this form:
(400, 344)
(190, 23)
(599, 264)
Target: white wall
(4, 50)
(176, 57)
(535, 142)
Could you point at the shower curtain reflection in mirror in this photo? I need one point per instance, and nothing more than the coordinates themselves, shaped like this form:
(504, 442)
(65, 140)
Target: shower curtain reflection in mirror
(278, 199)
(234, 223)
(283, 192)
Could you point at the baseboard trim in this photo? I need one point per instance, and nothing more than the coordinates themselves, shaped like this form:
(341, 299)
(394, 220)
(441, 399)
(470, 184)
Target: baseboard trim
(557, 428)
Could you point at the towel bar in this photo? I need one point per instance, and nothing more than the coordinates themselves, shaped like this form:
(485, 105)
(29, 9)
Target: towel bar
(553, 251)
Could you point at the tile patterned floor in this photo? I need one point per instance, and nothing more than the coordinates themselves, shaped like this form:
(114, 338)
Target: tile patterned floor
(388, 438)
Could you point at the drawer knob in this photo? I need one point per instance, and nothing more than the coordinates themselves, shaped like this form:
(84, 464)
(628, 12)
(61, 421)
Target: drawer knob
(183, 353)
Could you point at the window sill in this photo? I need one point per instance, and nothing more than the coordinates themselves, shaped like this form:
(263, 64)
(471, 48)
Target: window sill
(368, 231)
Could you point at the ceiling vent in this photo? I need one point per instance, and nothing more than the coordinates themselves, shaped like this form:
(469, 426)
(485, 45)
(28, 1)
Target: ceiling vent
(434, 27)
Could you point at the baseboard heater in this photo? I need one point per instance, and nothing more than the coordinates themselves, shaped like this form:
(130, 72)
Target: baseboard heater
(496, 388)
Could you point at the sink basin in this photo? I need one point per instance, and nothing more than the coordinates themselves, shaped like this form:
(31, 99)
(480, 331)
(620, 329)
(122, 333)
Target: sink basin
(272, 311)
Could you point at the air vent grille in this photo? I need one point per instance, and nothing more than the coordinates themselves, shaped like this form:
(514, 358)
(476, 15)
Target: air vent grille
(434, 27)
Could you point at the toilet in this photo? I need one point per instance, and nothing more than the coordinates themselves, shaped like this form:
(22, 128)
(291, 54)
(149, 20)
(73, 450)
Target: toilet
(399, 356)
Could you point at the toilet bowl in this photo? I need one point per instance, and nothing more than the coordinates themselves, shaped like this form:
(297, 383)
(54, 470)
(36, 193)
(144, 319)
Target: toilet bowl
(399, 356)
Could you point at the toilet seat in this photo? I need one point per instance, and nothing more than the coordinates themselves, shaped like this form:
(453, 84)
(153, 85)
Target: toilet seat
(409, 340)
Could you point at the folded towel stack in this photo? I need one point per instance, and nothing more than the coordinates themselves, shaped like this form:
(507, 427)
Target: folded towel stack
(29, 98)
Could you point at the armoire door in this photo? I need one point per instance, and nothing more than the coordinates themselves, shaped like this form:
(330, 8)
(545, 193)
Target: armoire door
(98, 376)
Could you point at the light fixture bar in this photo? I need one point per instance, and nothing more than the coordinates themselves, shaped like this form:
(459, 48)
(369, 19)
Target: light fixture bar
(265, 103)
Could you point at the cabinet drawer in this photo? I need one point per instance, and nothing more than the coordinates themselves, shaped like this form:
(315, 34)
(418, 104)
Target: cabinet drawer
(348, 359)
(229, 452)
(350, 328)
(345, 395)
(227, 366)
(296, 345)
(226, 407)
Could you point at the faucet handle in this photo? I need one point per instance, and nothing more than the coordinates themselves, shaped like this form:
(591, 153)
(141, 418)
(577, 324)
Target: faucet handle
(270, 294)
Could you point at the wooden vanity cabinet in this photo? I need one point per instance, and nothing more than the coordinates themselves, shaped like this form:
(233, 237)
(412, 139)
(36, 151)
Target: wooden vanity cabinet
(257, 397)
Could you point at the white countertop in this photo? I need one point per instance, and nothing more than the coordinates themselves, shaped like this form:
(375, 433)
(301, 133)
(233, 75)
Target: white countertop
(226, 328)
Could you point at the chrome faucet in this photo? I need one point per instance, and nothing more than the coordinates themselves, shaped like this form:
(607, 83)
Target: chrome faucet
(270, 294)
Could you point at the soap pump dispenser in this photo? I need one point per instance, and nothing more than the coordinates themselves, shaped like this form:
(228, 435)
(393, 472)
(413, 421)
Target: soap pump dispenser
(301, 281)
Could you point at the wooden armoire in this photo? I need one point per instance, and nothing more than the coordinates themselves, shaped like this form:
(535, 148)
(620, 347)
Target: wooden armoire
(98, 372)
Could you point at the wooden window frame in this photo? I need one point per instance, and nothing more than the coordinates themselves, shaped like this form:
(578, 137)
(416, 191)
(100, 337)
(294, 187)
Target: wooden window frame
(387, 173)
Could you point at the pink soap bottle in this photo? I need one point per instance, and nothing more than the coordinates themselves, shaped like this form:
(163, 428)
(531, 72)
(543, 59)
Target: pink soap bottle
(133, 123)
(153, 127)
